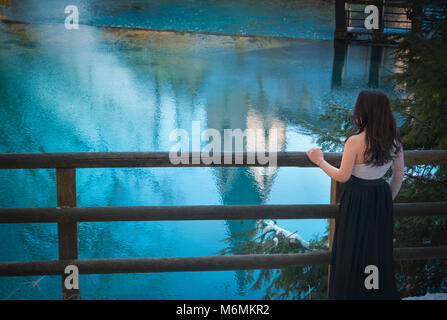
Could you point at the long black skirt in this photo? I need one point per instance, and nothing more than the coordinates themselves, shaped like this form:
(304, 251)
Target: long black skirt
(363, 237)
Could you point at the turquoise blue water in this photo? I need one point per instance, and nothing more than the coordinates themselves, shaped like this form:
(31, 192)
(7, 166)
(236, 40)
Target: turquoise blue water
(286, 18)
(111, 89)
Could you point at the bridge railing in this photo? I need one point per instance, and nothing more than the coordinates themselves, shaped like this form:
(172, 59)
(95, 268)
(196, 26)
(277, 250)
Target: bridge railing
(67, 215)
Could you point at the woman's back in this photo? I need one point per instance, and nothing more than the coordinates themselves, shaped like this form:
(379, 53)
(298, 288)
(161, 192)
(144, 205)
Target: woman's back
(370, 172)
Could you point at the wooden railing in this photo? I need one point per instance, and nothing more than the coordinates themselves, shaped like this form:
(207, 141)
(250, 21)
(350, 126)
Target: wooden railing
(67, 215)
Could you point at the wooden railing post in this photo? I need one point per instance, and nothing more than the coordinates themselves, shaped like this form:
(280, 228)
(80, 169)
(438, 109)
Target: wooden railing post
(340, 20)
(336, 189)
(417, 15)
(333, 200)
(67, 233)
(378, 34)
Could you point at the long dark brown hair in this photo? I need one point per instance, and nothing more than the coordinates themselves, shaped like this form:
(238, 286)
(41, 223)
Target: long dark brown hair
(372, 113)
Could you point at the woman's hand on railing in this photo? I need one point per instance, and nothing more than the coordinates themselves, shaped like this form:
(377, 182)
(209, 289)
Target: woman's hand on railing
(315, 155)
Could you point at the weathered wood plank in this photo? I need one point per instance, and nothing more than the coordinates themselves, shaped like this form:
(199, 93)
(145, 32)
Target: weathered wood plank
(220, 212)
(333, 202)
(340, 20)
(208, 263)
(397, 4)
(331, 231)
(67, 232)
(161, 159)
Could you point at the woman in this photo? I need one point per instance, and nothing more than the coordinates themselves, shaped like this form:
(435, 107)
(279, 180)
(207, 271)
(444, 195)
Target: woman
(364, 226)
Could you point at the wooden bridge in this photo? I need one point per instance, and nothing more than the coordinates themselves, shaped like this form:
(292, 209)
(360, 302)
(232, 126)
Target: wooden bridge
(395, 17)
(67, 215)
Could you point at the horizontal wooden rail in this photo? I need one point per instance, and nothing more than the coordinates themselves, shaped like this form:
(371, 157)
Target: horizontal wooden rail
(219, 212)
(397, 4)
(161, 159)
(187, 264)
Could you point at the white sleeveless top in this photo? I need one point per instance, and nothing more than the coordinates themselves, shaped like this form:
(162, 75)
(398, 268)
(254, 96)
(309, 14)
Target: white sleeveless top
(367, 171)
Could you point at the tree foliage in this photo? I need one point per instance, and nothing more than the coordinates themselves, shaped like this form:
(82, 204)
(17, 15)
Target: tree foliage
(421, 84)
(308, 282)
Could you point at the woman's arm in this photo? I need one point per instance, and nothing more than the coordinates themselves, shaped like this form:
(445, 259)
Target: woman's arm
(347, 163)
(398, 173)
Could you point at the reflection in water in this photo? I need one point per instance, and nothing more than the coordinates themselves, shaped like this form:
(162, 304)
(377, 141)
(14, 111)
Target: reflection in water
(302, 18)
(375, 66)
(376, 56)
(113, 89)
(340, 51)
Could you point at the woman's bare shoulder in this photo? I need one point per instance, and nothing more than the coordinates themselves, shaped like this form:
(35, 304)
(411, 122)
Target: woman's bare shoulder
(356, 139)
